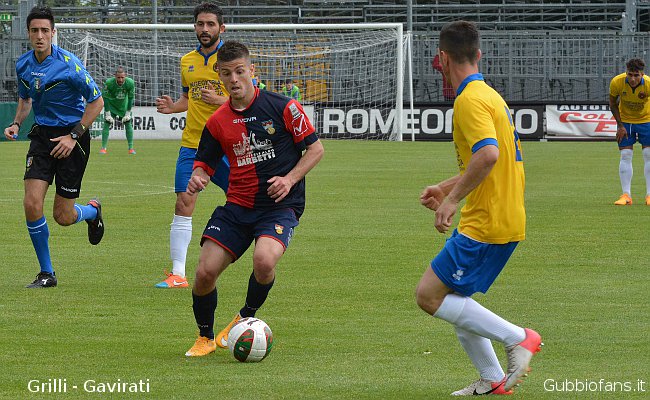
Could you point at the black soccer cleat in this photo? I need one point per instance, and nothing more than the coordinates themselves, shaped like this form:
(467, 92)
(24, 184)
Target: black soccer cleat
(43, 280)
(96, 226)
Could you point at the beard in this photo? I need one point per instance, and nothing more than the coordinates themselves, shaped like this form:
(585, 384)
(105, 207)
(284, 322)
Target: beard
(213, 40)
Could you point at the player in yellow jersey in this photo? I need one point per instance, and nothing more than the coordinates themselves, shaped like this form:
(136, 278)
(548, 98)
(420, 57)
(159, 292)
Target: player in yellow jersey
(492, 222)
(628, 100)
(203, 93)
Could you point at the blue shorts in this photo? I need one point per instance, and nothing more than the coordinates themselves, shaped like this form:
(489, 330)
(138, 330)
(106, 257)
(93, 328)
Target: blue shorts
(185, 163)
(467, 266)
(640, 131)
(234, 227)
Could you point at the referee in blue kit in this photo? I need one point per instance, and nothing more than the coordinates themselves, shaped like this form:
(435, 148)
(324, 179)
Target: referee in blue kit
(53, 82)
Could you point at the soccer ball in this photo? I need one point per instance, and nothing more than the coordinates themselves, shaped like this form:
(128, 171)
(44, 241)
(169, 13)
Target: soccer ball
(250, 340)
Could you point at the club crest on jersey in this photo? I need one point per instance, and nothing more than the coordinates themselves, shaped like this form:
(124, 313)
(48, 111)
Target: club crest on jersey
(268, 126)
(214, 67)
(37, 83)
(643, 95)
(190, 68)
(279, 229)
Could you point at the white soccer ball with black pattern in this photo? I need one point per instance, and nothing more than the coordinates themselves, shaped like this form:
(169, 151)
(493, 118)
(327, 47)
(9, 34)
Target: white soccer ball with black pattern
(250, 340)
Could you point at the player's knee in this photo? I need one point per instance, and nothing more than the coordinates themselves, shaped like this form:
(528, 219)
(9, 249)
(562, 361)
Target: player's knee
(264, 268)
(33, 208)
(64, 217)
(205, 276)
(426, 300)
(626, 155)
(184, 205)
(646, 154)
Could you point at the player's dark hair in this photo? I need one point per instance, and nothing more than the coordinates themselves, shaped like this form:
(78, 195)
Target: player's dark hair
(460, 40)
(635, 65)
(232, 50)
(120, 70)
(41, 12)
(288, 80)
(209, 8)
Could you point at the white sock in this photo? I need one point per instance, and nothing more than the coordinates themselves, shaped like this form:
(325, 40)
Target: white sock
(625, 170)
(481, 353)
(180, 236)
(646, 169)
(466, 313)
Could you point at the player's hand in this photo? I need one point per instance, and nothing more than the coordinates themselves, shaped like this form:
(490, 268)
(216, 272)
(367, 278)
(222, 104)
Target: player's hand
(621, 133)
(445, 215)
(209, 95)
(165, 105)
(280, 187)
(196, 184)
(108, 118)
(431, 197)
(64, 147)
(127, 117)
(11, 133)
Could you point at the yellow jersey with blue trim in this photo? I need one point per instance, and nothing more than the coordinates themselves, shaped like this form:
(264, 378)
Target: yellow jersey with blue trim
(494, 211)
(197, 71)
(633, 102)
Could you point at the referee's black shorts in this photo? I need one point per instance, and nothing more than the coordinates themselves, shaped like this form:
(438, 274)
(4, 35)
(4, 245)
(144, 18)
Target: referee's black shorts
(68, 171)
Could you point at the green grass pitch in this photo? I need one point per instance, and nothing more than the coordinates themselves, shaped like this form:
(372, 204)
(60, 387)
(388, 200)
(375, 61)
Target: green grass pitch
(343, 314)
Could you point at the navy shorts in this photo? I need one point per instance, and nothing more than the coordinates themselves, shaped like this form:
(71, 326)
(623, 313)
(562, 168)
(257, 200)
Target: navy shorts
(640, 131)
(234, 227)
(185, 163)
(468, 266)
(68, 171)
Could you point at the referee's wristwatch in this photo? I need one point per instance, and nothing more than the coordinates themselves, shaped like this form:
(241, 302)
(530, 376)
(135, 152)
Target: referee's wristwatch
(77, 131)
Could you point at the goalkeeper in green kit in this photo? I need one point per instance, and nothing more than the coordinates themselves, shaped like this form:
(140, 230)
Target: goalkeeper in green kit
(119, 94)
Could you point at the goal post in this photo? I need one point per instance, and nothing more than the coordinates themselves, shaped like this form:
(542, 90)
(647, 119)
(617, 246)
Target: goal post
(351, 76)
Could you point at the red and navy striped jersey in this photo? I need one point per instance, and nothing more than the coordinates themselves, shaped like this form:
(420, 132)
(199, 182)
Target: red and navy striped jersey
(264, 140)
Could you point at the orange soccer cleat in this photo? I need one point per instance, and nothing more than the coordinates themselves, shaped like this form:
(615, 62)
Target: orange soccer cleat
(202, 347)
(222, 337)
(173, 281)
(624, 200)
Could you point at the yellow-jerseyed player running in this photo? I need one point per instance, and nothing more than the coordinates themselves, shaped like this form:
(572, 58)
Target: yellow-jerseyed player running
(492, 222)
(630, 105)
(202, 94)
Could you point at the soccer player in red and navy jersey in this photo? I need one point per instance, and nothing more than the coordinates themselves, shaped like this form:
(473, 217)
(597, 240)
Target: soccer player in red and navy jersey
(271, 146)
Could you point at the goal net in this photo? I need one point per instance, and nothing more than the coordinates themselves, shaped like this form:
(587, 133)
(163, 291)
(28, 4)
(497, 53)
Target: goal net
(351, 77)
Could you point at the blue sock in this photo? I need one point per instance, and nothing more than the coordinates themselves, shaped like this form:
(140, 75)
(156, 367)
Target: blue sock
(40, 234)
(86, 212)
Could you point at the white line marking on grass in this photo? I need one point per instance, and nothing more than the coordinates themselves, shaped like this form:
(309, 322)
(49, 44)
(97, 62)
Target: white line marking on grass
(161, 190)
(168, 189)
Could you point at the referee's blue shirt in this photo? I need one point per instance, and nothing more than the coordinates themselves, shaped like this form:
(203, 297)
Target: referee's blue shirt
(56, 87)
